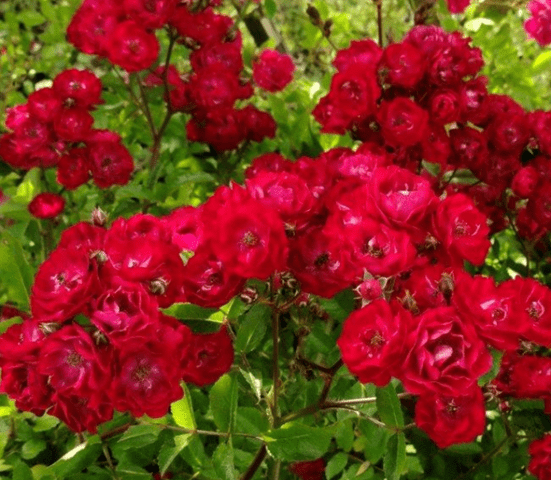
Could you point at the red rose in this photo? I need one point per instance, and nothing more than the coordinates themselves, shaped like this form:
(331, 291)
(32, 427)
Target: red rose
(403, 122)
(64, 285)
(402, 65)
(110, 163)
(312, 470)
(372, 341)
(364, 53)
(273, 71)
(451, 419)
(462, 229)
(540, 463)
(208, 357)
(446, 356)
(132, 47)
(46, 205)
(79, 88)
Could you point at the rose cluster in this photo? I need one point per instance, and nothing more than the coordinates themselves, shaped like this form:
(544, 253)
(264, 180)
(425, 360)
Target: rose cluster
(96, 340)
(124, 33)
(424, 102)
(55, 129)
(425, 320)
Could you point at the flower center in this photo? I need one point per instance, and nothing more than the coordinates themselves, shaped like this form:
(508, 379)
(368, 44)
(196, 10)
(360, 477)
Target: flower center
(73, 359)
(250, 239)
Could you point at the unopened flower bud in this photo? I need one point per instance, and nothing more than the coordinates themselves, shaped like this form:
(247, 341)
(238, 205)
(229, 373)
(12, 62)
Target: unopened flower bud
(99, 217)
(409, 303)
(249, 295)
(158, 286)
(314, 14)
(49, 327)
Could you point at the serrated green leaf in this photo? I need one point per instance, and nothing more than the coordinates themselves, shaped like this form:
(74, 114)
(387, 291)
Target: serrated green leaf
(395, 458)
(77, 459)
(223, 402)
(182, 411)
(138, 436)
(295, 442)
(223, 462)
(389, 407)
(167, 456)
(253, 328)
(336, 465)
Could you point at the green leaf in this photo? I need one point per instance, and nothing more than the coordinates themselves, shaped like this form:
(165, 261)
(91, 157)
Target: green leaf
(31, 18)
(138, 436)
(395, 458)
(223, 403)
(77, 459)
(496, 356)
(270, 8)
(182, 411)
(15, 271)
(389, 407)
(340, 306)
(541, 63)
(167, 456)
(189, 311)
(253, 328)
(251, 420)
(295, 442)
(336, 465)
(21, 471)
(32, 448)
(223, 462)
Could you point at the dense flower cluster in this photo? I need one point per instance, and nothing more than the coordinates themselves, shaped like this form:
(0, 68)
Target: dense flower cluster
(97, 340)
(55, 129)
(424, 102)
(425, 320)
(124, 33)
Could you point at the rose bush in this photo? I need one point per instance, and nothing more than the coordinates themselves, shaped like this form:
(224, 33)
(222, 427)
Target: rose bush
(282, 269)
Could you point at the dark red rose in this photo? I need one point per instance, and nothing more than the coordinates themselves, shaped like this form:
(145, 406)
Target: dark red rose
(525, 181)
(149, 13)
(211, 87)
(147, 379)
(494, 310)
(207, 282)
(446, 356)
(444, 106)
(44, 104)
(364, 53)
(312, 470)
(64, 285)
(208, 357)
(74, 364)
(462, 229)
(540, 453)
(537, 26)
(249, 238)
(46, 205)
(402, 121)
(402, 65)
(273, 71)
(132, 47)
(457, 6)
(259, 124)
(373, 341)
(73, 168)
(221, 54)
(204, 26)
(451, 419)
(524, 376)
(110, 164)
(534, 301)
(79, 88)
